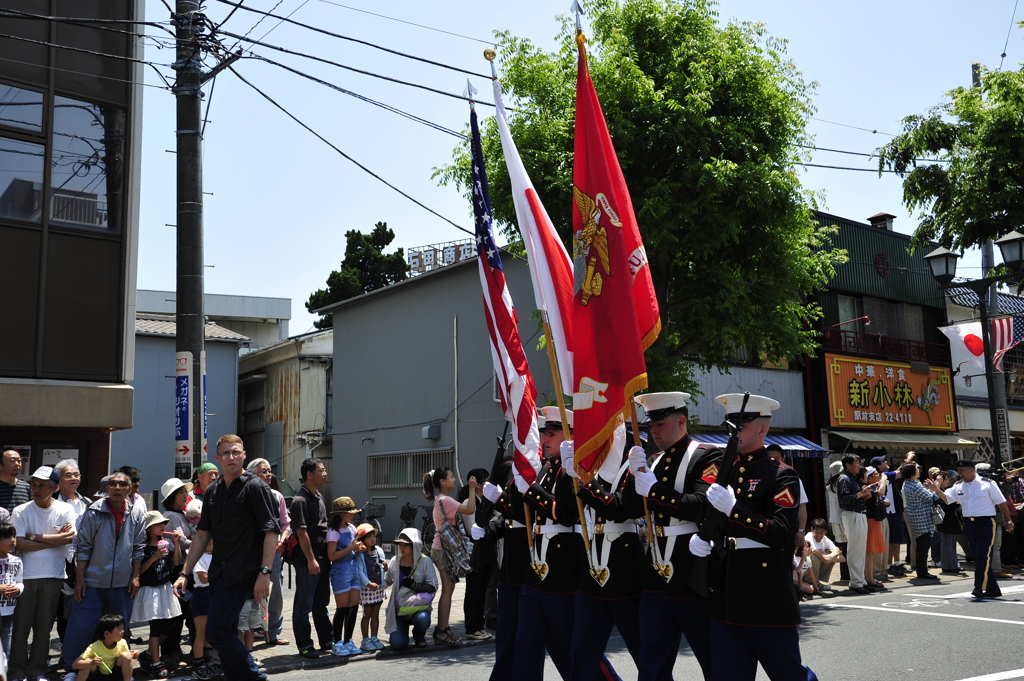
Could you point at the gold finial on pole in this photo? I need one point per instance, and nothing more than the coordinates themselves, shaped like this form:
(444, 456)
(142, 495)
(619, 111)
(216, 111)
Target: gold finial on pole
(490, 54)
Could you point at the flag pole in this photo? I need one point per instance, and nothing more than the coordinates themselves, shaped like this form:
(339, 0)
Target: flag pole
(636, 442)
(555, 374)
(489, 55)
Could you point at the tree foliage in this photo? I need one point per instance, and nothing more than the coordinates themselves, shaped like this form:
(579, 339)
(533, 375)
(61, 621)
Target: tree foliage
(978, 194)
(365, 268)
(707, 121)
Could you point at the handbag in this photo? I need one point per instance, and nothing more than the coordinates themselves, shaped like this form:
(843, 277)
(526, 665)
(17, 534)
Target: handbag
(453, 546)
(938, 514)
(410, 602)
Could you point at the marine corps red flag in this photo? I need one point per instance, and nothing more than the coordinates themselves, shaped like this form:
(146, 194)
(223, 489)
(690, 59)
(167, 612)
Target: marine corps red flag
(615, 311)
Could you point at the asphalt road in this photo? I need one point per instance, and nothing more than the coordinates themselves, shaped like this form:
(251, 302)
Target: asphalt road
(926, 633)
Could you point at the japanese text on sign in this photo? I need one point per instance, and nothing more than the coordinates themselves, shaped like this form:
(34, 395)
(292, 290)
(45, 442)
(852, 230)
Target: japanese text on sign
(871, 393)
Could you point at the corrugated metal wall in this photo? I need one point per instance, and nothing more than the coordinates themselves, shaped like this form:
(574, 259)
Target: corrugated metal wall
(784, 386)
(394, 373)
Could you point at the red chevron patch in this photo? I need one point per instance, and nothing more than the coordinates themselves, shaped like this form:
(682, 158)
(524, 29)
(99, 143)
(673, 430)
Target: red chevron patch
(710, 474)
(785, 498)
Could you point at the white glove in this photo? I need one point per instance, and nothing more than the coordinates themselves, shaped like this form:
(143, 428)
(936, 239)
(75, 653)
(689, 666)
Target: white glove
(644, 481)
(637, 459)
(699, 547)
(521, 483)
(492, 492)
(567, 451)
(477, 532)
(722, 498)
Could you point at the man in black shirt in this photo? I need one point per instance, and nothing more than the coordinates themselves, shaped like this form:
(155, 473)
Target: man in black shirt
(13, 492)
(312, 569)
(853, 502)
(240, 515)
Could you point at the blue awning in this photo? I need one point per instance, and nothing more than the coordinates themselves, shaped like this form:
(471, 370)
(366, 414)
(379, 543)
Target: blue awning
(793, 445)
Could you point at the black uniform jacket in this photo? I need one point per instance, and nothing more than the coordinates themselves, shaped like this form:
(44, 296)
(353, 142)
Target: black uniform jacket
(756, 585)
(626, 555)
(553, 500)
(515, 558)
(666, 502)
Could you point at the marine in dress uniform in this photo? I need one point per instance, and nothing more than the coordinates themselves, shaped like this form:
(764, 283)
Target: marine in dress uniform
(979, 500)
(608, 593)
(547, 599)
(754, 612)
(675, 486)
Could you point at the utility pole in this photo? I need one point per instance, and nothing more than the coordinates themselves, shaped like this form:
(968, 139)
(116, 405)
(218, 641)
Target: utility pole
(190, 320)
(988, 302)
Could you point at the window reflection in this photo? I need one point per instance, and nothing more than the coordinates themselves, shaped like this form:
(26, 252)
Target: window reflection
(21, 179)
(21, 109)
(87, 174)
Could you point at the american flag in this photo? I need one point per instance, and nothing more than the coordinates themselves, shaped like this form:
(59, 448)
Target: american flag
(1006, 333)
(515, 382)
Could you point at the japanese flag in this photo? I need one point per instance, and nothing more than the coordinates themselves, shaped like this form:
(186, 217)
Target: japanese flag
(966, 344)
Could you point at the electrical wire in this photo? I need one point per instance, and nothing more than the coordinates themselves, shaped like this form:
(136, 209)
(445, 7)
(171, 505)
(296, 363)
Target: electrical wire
(1008, 31)
(862, 170)
(861, 153)
(845, 125)
(355, 40)
(304, 3)
(254, 55)
(386, 107)
(410, 23)
(91, 75)
(346, 156)
(82, 49)
(265, 15)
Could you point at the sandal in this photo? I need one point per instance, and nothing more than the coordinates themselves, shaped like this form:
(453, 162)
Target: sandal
(447, 637)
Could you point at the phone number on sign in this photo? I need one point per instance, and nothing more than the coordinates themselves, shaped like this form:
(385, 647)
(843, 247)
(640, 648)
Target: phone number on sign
(882, 417)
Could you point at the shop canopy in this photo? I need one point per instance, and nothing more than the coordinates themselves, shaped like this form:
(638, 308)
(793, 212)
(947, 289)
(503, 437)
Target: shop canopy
(878, 440)
(793, 445)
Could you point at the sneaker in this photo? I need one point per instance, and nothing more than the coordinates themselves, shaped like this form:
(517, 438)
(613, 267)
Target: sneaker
(341, 649)
(145, 659)
(157, 671)
(172, 659)
(309, 653)
(367, 646)
(207, 672)
(825, 587)
(352, 649)
(377, 644)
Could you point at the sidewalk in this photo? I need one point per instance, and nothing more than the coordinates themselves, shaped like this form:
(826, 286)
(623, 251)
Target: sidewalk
(282, 658)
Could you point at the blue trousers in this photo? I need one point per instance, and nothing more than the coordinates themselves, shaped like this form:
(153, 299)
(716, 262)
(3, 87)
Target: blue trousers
(505, 638)
(546, 621)
(736, 650)
(222, 631)
(981, 537)
(81, 629)
(593, 626)
(312, 595)
(663, 623)
(275, 616)
(420, 622)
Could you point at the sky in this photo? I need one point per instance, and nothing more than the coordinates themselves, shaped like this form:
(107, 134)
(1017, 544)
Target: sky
(280, 200)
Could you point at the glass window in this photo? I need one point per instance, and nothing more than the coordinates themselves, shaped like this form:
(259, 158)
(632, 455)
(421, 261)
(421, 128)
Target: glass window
(88, 165)
(21, 179)
(22, 109)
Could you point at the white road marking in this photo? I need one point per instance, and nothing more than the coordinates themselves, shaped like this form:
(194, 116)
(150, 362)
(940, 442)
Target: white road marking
(933, 614)
(998, 676)
(1015, 589)
(965, 597)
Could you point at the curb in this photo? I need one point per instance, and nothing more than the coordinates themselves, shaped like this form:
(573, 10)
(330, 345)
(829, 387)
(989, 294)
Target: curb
(328, 660)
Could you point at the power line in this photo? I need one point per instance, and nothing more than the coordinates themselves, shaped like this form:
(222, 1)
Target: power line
(410, 23)
(387, 107)
(845, 125)
(862, 170)
(253, 55)
(346, 156)
(82, 49)
(92, 75)
(1008, 31)
(304, 3)
(861, 153)
(344, 37)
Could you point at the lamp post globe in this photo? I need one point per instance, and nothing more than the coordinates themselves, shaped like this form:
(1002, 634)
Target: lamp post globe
(1012, 248)
(942, 262)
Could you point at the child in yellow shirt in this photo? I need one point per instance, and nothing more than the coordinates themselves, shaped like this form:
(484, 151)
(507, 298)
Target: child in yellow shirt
(108, 651)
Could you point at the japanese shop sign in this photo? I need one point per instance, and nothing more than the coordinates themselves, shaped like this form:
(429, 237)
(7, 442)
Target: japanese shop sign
(865, 393)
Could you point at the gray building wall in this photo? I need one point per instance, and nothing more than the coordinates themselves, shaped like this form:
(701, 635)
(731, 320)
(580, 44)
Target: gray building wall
(149, 444)
(394, 373)
(785, 386)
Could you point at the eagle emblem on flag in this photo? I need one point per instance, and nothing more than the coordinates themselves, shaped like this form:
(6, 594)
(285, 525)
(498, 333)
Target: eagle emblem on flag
(590, 245)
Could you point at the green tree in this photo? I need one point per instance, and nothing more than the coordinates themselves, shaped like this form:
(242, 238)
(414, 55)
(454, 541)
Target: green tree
(365, 268)
(708, 122)
(976, 194)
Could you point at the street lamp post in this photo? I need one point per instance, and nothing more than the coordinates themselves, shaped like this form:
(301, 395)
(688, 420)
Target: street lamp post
(943, 266)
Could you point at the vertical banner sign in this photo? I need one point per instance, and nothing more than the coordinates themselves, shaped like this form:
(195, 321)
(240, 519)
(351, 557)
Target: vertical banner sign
(204, 454)
(183, 415)
(1003, 423)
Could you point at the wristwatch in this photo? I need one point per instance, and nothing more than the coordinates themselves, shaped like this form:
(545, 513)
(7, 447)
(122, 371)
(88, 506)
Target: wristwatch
(31, 537)
(265, 570)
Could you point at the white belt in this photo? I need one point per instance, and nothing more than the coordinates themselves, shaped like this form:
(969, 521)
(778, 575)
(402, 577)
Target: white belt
(675, 530)
(744, 543)
(513, 524)
(553, 528)
(608, 528)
